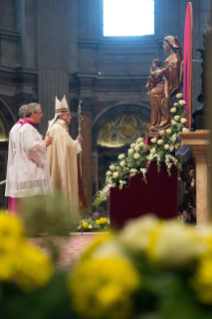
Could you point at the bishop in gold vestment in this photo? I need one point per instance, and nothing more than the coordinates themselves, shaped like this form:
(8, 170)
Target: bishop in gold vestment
(62, 158)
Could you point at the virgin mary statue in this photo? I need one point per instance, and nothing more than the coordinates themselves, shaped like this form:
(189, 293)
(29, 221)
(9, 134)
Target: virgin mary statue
(161, 93)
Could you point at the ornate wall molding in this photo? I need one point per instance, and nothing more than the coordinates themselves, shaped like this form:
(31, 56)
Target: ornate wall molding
(121, 107)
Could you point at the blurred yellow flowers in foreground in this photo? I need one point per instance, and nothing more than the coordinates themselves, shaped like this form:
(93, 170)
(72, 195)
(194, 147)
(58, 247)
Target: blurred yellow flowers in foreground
(21, 262)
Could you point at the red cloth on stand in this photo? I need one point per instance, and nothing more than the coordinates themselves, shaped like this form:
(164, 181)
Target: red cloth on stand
(159, 196)
(187, 75)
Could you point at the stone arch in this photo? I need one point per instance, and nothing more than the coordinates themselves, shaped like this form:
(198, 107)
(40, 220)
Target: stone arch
(113, 109)
(7, 116)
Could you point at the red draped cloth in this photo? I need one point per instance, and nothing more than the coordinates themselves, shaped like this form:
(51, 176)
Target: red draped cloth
(188, 48)
(159, 196)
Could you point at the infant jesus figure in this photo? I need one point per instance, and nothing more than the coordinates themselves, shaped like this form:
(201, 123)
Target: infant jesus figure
(152, 79)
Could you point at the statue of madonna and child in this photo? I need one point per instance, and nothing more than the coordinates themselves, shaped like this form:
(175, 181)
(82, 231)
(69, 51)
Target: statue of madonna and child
(163, 83)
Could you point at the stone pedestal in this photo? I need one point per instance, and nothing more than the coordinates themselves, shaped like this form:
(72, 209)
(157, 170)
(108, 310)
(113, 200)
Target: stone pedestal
(199, 141)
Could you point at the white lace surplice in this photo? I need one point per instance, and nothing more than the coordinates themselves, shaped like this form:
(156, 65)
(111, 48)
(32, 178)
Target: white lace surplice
(13, 140)
(32, 172)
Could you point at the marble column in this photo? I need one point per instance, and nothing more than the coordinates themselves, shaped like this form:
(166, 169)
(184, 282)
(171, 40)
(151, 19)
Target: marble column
(199, 141)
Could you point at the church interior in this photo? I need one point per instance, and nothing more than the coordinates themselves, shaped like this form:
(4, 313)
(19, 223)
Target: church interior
(98, 54)
(53, 48)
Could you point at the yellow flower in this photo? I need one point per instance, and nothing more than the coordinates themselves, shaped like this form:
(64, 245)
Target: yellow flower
(202, 282)
(103, 220)
(11, 232)
(110, 291)
(7, 267)
(97, 222)
(85, 225)
(33, 267)
(91, 248)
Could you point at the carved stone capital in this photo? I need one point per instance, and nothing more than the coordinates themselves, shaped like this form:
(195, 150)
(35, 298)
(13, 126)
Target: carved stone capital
(87, 105)
(23, 98)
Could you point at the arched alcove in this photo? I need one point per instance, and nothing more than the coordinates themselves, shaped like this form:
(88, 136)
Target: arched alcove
(116, 109)
(7, 120)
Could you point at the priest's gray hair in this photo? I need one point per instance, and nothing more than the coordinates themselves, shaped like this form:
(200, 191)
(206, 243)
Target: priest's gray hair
(22, 111)
(32, 107)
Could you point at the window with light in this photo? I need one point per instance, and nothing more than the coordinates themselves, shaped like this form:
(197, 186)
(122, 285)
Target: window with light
(128, 17)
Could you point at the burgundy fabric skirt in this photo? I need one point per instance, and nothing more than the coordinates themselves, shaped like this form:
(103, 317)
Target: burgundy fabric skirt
(159, 196)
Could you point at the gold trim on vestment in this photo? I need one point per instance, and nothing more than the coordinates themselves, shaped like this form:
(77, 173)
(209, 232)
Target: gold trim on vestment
(62, 110)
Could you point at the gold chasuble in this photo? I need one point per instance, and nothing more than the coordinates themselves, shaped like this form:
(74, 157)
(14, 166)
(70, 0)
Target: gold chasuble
(63, 166)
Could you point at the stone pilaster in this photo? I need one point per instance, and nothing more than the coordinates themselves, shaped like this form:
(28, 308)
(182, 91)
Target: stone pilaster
(86, 124)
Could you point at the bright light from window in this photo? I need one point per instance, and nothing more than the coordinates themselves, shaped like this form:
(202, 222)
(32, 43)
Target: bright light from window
(128, 17)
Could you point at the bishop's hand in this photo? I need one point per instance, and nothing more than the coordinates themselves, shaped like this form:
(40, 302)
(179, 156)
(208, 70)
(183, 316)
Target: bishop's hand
(79, 138)
(48, 140)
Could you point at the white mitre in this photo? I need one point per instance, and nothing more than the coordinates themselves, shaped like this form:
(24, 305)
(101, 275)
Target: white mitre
(60, 107)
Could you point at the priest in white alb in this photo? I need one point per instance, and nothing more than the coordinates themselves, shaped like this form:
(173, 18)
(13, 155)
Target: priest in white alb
(32, 172)
(13, 140)
(62, 157)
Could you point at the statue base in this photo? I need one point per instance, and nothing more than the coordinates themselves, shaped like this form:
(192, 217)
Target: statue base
(159, 196)
(200, 141)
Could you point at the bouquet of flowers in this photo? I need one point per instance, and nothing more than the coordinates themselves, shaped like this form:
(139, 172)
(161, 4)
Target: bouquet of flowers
(90, 225)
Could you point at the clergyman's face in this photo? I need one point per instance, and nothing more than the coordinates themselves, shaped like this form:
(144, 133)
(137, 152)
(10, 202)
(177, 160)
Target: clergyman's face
(37, 116)
(67, 118)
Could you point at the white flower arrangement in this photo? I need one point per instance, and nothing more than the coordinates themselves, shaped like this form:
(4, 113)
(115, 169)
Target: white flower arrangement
(173, 122)
(121, 184)
(122, 163)
(179, 96)
(130, 151)
(143, 171)
(141, 156)
(153, 140)
(166, 146)
(133, 171)
(181, 102)
(183, 120)
(115, 175)
(121, 156)
(136, 155)
(177, 117)
(153, 150)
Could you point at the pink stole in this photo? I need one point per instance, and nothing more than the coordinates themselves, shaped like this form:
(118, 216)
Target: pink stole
(29, 122)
